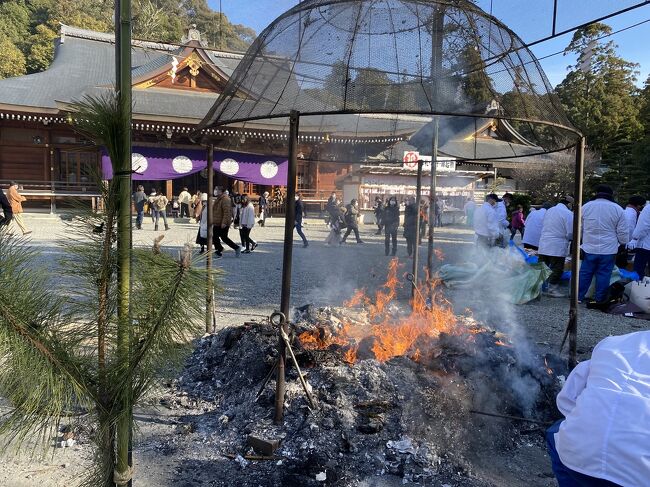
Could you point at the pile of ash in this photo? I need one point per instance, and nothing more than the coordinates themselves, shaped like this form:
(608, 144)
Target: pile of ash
(400, 419)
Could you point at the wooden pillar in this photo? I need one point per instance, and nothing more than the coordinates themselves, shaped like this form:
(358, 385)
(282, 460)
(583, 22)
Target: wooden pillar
(169, 189)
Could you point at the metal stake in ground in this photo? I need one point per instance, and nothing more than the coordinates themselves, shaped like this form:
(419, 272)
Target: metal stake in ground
(290, 219)
(416, 242)
(210, 317)
(281, 320)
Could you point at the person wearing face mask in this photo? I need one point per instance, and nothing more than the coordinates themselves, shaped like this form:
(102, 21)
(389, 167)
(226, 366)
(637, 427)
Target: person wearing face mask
(221, 220)
(352, 221)
(410, 222)
(391, 225)
(300, 213)
(246, 222)
(486, 225)
(557, 233)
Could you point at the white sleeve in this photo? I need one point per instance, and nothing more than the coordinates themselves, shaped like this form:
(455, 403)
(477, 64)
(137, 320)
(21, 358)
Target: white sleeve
(569, 226)
(622, 230)
(642, 228)
(573, 387)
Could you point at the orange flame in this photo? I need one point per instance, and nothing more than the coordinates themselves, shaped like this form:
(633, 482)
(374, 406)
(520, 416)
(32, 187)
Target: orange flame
(394, 332)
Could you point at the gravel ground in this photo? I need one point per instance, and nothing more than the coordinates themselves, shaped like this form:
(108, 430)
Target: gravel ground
(321, 275)
(329, 275)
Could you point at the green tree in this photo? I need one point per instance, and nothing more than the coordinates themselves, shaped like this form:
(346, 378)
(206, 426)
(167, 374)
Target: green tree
(47, 328)
(12, 61)
(41, 49)
(600, 97)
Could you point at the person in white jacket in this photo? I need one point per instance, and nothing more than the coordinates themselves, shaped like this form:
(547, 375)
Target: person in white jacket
(557, 233)
(604, 439)
(534, 223)
(486, 225)
(603, 229)
(501, 209)
(641, 242)
(246, 223)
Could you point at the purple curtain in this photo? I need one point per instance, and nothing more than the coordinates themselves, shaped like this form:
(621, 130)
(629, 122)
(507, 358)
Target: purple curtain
(155, 163)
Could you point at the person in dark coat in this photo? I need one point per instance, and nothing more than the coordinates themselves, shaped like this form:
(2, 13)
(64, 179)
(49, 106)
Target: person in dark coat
(300, 213)
(352, 221)
(264, 208)
(379, 214)
(391, 224)
(6, 209)
(410, 222)
(139, 200)
(332, 207)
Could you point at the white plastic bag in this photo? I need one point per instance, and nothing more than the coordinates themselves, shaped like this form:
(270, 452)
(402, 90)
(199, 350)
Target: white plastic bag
(639, 293)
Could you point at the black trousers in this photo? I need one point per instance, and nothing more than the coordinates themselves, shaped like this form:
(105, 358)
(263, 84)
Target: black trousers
(221, 235)
(185, 210)
(513, 232)
(557, 267)
(245, 235)
(350, 230)
(391, 234)
(410, 244)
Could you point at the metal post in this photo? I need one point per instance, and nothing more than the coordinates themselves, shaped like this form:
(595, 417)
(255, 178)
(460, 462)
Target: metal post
(416, 251)
(289, 223)
(575, 252)
(432, 202)
(209, 292)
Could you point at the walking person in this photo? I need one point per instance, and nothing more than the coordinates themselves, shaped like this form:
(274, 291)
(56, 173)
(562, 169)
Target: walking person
(5, 206)
(336, 223)
(410, 222)
(139, 200)
(160, 203)
(557, 233)
(352, 221)
(221, 220)
(486, 226)
(641, 243)
(16, 202)
(264, 208)
(300, 213)
(197, 205)
(517, 222)
(378, 210)
(185, 198)
(438, 212)
(152, 211)
(246, 223)
(534, 223)
(603, 229)
(202, 218)
(391, 225)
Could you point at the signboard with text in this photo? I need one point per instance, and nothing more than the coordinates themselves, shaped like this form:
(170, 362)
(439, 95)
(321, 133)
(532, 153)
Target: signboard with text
(411, 159)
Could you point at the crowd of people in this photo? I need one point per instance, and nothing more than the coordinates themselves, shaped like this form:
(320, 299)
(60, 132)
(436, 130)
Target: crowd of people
(610, 235)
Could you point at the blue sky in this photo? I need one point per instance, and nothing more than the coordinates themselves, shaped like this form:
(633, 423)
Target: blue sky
(531, 19)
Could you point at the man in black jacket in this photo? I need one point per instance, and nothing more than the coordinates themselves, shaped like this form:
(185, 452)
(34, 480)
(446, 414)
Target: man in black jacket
(300, 213)
(352, 221)
(391, 223)
(6, 209)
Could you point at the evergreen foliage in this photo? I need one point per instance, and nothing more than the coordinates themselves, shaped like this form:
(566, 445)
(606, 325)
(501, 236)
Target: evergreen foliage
(58, 338)
(27, 29)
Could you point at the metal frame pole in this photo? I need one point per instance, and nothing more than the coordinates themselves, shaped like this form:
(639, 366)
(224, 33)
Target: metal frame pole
(209, 291)
(285, 300)
(575, 253)
(416, 251)
(432, 203)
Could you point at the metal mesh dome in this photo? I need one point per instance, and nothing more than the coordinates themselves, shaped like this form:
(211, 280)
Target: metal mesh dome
(367, 69)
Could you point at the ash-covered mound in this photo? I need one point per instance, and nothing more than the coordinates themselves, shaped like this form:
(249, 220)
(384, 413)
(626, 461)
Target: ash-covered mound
(399, 419)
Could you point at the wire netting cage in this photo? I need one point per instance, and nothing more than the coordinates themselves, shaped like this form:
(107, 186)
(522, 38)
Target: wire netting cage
(381, 70)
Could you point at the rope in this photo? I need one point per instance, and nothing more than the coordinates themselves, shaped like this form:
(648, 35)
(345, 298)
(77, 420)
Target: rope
(123, 478)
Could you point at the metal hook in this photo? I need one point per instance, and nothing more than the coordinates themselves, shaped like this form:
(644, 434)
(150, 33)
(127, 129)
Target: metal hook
(277, 318)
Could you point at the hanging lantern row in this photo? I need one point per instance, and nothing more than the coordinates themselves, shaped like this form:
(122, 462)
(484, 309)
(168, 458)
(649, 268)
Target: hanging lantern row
(154, 127)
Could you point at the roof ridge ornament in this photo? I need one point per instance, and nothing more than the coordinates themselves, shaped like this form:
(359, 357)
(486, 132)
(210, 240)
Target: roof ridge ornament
(193, 34)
